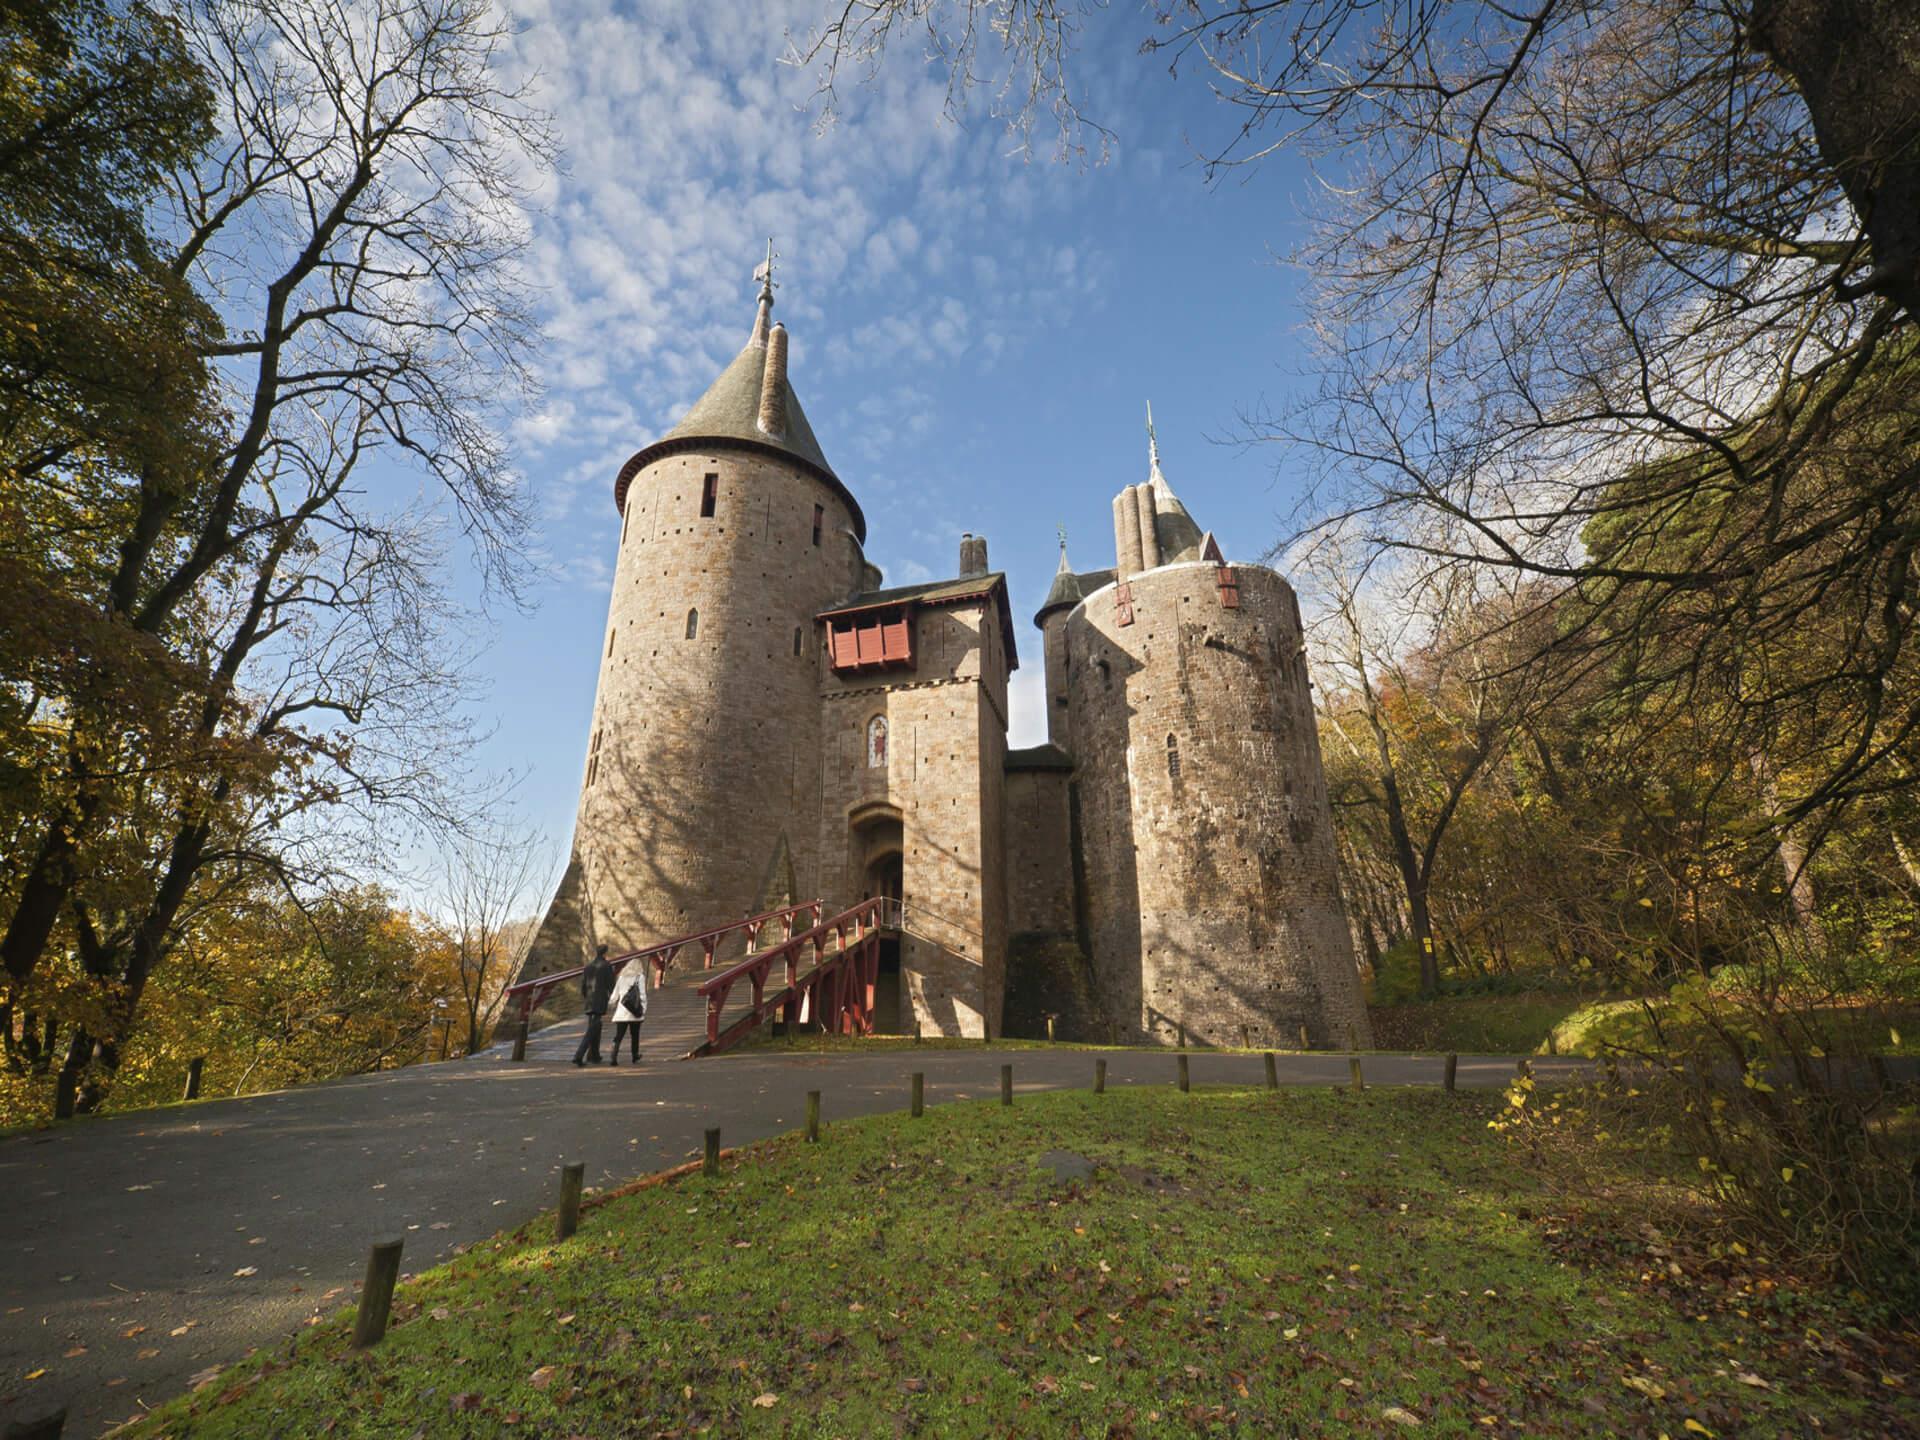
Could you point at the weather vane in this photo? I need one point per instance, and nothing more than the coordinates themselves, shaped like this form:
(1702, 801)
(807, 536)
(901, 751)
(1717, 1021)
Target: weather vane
(764, 274)
(1063, 538)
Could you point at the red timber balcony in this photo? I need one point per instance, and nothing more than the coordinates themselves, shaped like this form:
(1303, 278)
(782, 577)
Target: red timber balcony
(872, 639)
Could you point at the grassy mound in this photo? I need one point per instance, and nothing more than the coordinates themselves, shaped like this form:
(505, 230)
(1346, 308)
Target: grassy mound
(1237, 1262)
(1473, 1025)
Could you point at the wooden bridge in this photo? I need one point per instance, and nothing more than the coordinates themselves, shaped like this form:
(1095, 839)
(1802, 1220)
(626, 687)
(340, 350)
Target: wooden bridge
(819, 974)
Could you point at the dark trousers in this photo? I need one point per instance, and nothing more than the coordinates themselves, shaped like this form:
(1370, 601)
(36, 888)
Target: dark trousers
(622, 1028)
(589, 1051)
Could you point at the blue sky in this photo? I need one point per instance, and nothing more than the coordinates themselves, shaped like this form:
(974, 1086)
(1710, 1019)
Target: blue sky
(975, 334)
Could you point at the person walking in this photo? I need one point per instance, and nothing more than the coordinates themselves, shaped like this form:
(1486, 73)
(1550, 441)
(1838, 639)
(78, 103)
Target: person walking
(631, 1010)
(596, 989)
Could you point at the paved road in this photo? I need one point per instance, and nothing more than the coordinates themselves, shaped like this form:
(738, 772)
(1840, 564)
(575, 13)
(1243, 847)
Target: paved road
(141, 1249)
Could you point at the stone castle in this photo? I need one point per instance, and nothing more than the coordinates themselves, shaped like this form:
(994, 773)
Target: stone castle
(772, 724)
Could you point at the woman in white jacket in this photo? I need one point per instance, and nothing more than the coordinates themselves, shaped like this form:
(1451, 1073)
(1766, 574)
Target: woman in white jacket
(630, 1008)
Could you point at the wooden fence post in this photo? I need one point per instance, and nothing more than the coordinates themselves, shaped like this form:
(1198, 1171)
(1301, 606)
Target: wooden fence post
(1050, 1019)
(1353, 1064)
(711, 1165)
(813, 1116)
(1100, 1076)
(1453, 1066)
(1522, 1069)
(376, 1296)
(194, 1068)
(566, 1220)
(919, 1093)
(1006, 1084)
(1183, 1074)
(520, 1039)
(1246, 1037)
(45, 1425)
(1273, 1075)
(1305, 1043)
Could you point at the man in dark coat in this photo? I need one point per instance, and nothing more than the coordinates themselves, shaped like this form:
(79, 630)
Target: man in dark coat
(596, 992)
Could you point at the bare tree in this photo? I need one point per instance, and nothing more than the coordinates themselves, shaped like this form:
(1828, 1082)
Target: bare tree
(357, 225)
(1621, 296)
(490, 884)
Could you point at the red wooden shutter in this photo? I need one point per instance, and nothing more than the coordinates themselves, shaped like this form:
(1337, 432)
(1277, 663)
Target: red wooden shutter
(1229, 587)
(1123, 602)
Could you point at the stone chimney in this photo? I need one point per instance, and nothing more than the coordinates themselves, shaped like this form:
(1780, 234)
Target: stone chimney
(773, 384)
(973, 555)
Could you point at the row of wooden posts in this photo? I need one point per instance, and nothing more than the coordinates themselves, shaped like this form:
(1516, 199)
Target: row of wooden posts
(383, 1263)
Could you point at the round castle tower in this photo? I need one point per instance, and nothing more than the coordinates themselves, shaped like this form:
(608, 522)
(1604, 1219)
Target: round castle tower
(702, 778)
(1213, 897)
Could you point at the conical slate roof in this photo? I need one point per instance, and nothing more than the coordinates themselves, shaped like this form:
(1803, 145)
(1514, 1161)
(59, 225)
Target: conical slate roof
(731, 414)
(1065, 589)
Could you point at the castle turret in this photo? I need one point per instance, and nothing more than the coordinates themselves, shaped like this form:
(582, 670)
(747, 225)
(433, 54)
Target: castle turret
(1212, 894)
(696, 804)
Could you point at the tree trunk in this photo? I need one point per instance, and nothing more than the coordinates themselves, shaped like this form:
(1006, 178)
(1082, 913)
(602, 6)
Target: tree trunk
(1857, 65)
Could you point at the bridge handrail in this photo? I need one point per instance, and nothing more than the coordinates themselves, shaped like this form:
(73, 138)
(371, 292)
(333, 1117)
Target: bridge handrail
(529, 993)
(867, 912)
(850, 1004)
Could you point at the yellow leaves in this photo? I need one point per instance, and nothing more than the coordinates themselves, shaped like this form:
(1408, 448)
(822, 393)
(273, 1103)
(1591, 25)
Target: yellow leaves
(766, 1401)
(1694, 1427)
(1786, 1174)
(1652, 1389)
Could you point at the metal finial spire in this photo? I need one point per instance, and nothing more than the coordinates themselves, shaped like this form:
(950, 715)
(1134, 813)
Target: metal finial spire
(1063, 538)
(764, 273)
(1153, 443)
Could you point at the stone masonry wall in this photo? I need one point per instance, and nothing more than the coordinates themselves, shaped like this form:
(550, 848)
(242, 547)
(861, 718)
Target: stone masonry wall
(702, 778)
(1038, 863)
(1214, 899)
(941, 715)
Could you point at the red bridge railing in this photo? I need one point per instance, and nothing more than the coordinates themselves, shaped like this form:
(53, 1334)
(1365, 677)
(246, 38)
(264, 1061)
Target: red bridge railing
(836, 992)
(528, 995)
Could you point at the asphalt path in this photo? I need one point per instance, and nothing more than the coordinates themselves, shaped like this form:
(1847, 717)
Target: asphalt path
(143, 1249)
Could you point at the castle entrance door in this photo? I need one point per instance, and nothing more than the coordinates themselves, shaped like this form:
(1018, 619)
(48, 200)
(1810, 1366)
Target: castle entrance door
(879, 843)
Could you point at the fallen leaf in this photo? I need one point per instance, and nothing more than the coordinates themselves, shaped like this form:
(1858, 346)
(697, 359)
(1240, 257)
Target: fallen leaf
(75, 1353)
(466, 1400)
(1645, 1386)
(1401, 1417)
(542, 1377)
(1694, 1427)
(203, 1378)
(767, 1401)
(36, 1374)
(246, 1270)
(1746, 1378)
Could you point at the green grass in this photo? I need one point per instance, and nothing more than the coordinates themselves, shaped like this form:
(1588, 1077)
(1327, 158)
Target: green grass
(1242, 1262)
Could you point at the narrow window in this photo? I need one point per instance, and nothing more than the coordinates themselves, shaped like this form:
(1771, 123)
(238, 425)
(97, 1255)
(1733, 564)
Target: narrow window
(693, 624)
(877, 743)
(593, 758)
(709, 496)
(796, 639)
(626, 514)
(610, 635)
(1173, 758)
(819, 521)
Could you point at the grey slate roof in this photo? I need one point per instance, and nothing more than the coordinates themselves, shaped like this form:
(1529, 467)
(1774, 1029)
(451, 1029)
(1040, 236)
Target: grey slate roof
(929, 590)
(730, 410)
(1069, 589)
(730, 413)
(1039, 757)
